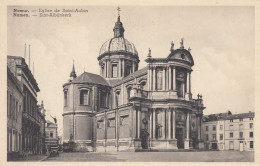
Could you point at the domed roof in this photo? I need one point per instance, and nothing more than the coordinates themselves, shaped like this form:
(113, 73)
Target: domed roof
(118, 45)
(181, 55)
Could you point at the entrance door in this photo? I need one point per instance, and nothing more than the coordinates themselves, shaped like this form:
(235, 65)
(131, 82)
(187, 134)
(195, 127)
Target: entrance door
(231, 145)
(241, 146)
(214, 146)
(179, 137)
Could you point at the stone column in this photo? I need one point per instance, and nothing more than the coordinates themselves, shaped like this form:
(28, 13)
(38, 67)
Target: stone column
(174, 78)
(134, 124)
(173, 124)
(151, 123)
(119, 68)
(133, 67)
(164, 126)
(123, 67)
(188, 126)
(138, 123)
(148, 78)
(183, 90)
(187, 140)
(122, 94)
(163, 80)
(169, 123)
(109, 69)
(188, 82)
(116, 128)
(106, 68)
(170, 78)
(154, 78)
(198, 120)
(154, 123)
(151, 78)
(167, 78)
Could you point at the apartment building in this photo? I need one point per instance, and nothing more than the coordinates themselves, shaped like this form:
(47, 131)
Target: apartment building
(225, 131)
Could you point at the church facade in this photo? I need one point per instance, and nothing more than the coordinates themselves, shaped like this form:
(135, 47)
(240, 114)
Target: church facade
(126, 108)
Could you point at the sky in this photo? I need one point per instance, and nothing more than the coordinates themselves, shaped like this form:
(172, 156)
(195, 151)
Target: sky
(221, 41)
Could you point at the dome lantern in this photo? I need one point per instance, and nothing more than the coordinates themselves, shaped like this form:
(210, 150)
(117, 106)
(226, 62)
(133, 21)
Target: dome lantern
(119, 29)
(118, 57)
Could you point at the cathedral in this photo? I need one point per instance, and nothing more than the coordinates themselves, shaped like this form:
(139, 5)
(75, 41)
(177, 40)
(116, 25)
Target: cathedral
(125, 108)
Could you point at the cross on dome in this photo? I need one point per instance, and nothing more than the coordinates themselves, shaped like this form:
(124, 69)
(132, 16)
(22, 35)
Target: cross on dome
(118, 10)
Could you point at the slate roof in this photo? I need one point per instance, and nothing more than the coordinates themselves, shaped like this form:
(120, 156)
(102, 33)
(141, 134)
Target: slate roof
(242, 116)
(215, 117)
(131, 76)
(226, 116)
(90, 78)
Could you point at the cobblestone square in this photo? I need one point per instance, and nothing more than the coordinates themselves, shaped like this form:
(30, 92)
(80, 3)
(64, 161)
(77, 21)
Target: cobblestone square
(204, 156)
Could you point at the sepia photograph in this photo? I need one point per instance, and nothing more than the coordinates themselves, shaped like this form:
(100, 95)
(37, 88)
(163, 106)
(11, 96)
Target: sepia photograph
(130, 83)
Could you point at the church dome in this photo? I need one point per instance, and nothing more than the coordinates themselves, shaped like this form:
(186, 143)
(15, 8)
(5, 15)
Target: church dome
(118, 45)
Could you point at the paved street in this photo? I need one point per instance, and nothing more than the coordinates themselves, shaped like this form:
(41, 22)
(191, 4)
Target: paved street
(204, 156)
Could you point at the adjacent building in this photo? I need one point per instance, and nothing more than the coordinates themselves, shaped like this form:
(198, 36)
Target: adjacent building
(239, 132)
(24, 115)
(51, 133)
(42, 120)
(14, 114)
(225, 131)
(127, 108)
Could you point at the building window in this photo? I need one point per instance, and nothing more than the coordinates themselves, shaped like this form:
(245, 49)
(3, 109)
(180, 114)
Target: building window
(231, 120)
(214, 137)
(117, 95)
(102, 69)
(251, 118)
(251, 144)
(251, 134)
(221, 136)
(207, 137)
(51, 134)
(230, 127)
(180, 89)
(251, 125)
(159, 78)
(221, 127)
(16, 110)
(114, 70)
(241, 126)
(100, 124)
(128, 70)
(159, 130)
(240, 134)
(214, 128)
(84, 97)
(103, 99)
(231, 135)
(124, 120)
(65, 98)
(207, 128)
(111, 122)
(128, 93)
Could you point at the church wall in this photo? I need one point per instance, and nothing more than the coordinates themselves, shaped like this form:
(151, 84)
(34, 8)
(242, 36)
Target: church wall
(124, 127)
(67, 127)
(83, 127)
(100, 126)
(69, 92)
(111, 122)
